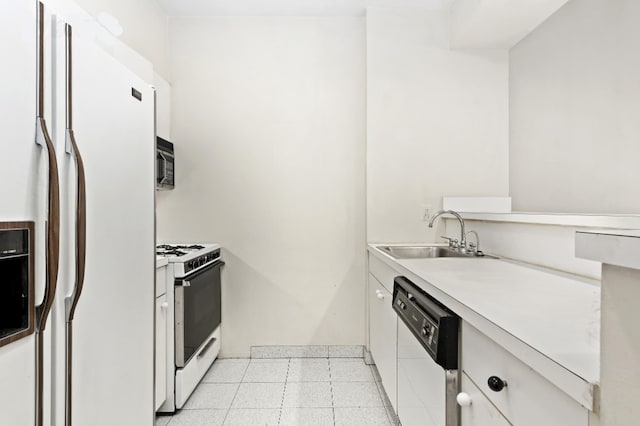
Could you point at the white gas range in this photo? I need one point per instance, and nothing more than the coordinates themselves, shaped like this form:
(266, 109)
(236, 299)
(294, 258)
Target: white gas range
(194, 298)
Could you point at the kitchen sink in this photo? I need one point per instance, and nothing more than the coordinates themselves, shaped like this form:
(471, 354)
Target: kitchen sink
(427, 252)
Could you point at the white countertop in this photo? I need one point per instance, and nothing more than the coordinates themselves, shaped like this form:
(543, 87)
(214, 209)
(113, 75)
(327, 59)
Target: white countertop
(161, 261)
(549, 321)
(615, 247)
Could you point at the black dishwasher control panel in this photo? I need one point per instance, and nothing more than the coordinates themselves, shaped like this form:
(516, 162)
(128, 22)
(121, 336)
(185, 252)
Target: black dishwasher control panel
(435, 326)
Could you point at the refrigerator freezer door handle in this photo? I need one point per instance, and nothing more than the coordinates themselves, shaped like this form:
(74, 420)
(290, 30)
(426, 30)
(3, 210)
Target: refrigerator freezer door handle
(53, 219)
(53, 225)
(53, 231)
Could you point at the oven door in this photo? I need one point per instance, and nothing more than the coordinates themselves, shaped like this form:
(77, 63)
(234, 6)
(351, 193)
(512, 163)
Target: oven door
(197, 310)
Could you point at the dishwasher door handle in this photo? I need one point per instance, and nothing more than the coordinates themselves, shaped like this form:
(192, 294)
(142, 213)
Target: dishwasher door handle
(452, 417)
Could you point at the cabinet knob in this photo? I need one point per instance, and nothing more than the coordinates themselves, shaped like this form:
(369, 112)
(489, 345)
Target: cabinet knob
(496, 384)
(164, 305)
(380, 295)
(464, 399)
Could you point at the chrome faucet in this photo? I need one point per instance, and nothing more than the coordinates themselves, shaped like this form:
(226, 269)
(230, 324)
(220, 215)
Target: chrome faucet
(475, 248)
(463, 235)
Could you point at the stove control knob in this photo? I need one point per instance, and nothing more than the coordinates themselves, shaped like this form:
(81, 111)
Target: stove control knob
(402, 305)
(425, 330)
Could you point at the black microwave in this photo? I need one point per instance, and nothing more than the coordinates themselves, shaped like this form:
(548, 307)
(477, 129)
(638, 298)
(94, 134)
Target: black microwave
(165, 164)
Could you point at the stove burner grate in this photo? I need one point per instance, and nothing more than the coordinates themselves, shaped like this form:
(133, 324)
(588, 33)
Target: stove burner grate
(167, 250)
(170, 247)
(191, 247)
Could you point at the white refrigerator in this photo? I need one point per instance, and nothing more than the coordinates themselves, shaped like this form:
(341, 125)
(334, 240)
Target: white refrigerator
(89, 361)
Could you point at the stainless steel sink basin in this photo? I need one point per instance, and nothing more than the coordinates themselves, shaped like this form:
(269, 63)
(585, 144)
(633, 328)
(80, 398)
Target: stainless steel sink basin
(426, 252)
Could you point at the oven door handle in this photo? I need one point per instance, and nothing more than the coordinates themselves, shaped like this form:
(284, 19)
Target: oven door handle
(206, 348)
(186, 282)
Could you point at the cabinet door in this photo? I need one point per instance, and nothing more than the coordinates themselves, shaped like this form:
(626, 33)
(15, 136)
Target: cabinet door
(528, 399)
(481, 412)
(383, 336)
(161, 350)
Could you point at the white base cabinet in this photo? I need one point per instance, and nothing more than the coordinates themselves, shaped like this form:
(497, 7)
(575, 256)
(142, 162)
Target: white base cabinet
(161, 337)
(161, 350)
(527, 399)
(478, 410)
(383, 334)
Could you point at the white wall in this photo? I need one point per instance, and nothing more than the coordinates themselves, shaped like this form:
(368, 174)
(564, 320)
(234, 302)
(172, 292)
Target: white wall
(437, 122)
(163, 107)
(574, 108)
(268, 118)
(144, 24)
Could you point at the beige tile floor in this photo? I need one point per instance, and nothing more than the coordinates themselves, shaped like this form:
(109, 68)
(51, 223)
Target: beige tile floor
(287, 392)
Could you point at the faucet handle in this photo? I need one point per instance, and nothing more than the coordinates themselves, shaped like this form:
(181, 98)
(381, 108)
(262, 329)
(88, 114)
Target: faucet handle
(453, 243)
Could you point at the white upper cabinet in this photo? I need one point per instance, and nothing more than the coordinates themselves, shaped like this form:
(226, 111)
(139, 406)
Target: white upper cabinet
(497, 24)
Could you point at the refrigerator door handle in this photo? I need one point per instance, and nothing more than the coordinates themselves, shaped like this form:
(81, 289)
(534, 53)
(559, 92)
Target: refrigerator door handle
(71, 302)
(81, 195)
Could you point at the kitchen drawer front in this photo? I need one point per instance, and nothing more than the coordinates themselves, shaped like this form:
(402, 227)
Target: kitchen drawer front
(528, 399)
(161, 281)
(382, 272)
(481, 412)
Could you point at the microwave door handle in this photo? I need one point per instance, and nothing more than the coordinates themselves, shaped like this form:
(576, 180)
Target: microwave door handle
(164, 168)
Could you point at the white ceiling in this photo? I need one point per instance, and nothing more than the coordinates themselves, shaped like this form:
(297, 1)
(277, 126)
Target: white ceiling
(288, 7)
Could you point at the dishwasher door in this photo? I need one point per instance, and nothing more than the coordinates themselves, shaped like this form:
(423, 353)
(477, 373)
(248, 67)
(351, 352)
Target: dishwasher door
(421, 383)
